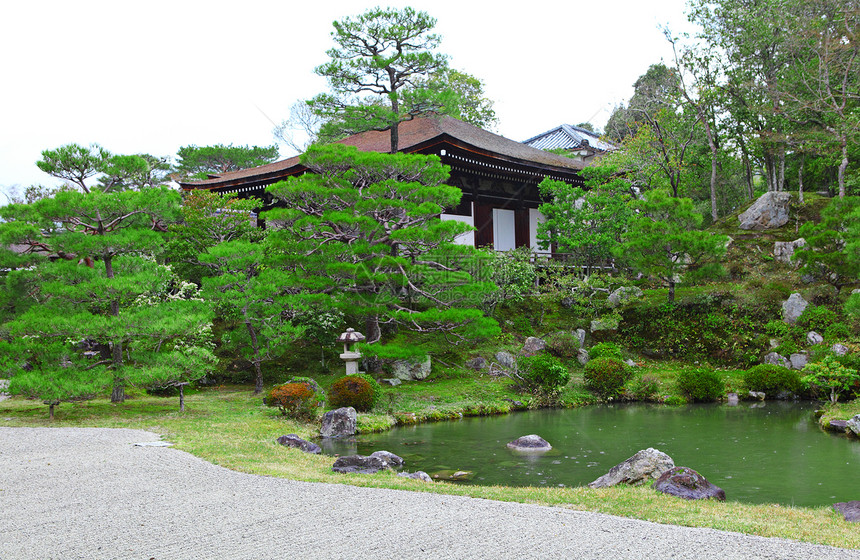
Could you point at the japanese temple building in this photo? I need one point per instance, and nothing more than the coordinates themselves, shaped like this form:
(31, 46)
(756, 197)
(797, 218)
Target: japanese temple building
(499, 177)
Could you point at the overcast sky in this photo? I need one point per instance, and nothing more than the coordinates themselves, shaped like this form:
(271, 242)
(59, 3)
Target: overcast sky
(153, 76)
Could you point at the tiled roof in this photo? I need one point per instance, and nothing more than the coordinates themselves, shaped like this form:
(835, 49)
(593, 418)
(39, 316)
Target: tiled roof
(568, 137)
(414, 135)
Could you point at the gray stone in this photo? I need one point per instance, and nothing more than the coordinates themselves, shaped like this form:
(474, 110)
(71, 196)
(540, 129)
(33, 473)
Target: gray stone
(776, 359)
(388, 457)
(339, 423)
(529, 443)
(580, 334)
(292, 440)
(798, 360)
(532, 346)
(359, 464)
(631, 363)
(768, 212)
(477, 364)
(849, 510)
(453, 475)
(854, 425)
(784, 250)
(839, 349)
(793, 307)
(604, 324)
(411, 370)
(623, 295)
(393, 381)
(807, 278)
(757, 395)
(644, 466)
(582, 356)
(838, 426)
(686, 483)
(417, 475)
(732, 399)
(813, 338)
(505, 359)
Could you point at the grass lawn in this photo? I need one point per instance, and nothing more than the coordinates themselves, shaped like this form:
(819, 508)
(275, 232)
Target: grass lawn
(230, 427)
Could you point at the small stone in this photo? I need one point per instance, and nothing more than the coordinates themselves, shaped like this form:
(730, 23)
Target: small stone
(412, 370)
(838, 426)
(394, 382)
(813, 338)
(784, 250)
(793, 307)
(359, 464)
(776, 359)
(532, 346)
(388, 457)
(623, 295)
(839, 349)
(757, 395)
(582, 356)
(529, 443)
(609, 323)
(294, 441)
(732, 399)
(505, 359)
(799, 360)
(580, 334)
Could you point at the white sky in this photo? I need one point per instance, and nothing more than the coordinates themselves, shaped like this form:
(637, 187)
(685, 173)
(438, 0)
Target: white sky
(153, 76)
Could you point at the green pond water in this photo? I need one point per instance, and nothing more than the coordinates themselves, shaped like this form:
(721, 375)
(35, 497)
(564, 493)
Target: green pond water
(758, 453)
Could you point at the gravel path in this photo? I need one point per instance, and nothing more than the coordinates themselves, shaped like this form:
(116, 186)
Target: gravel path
(69, 493)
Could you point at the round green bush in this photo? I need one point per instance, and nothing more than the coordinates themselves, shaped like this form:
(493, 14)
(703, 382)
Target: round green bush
(543, 372)
(360, 391)
(605, 350)
(771, 379)
(701, 384)
(606, 376)
(563, 344)
(645, 388)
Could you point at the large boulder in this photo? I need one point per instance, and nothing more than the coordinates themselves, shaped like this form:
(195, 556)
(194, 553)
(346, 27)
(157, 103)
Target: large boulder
(854, 425)
(793, 307)
(768, 212)
(644, 466)
(532, 346)
(798, 360)
(688, 484)
(784, 250)
(411, 370)
(417, 475)
(775, 359)
(623, 295)
(849, 510)
(292, 440)
(339, 423)
(366, 464)
(529, 443)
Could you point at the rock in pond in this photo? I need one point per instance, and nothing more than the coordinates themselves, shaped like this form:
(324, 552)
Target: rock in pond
(529, 443)
(686, 483)
(849, 510)
(292, 440)
(644, 466)
(366, 464)
(854, 425)
(417, 475)
(339, 423)
(452, 475)
(838, 426)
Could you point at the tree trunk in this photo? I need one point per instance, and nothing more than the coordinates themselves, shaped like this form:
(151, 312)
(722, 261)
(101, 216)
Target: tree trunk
(843, 165)
(781, 176)
(374, 333)
(117, 395)
(51, 411)
(671, 291)
(714, 214)
(258, 373)
(182, 397)
(800, 178)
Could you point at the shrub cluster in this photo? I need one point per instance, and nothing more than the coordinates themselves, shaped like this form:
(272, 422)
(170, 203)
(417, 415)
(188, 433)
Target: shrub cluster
(296, 400)
(360, 391)
(563, 344)
(701, 384)
(646, 388)
(606, 376)
(816, 318)
(771, 379)
(542, 373)
(605, 350)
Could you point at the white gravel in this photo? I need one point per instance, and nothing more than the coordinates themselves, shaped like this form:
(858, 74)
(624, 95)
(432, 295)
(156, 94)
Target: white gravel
(69, 493)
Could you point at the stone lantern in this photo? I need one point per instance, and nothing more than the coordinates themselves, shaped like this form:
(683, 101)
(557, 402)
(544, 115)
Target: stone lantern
(350, 354)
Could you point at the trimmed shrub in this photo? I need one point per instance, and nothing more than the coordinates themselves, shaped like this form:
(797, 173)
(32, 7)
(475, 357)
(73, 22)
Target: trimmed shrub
(562, 344)
(837, 331)
(605, 350)
(296, 400)
(360, 391)
(543, 373)
(771, 379)
(701, 384)
(606, 376)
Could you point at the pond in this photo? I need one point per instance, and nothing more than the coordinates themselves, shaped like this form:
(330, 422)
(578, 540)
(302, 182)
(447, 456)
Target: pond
(758, 453)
